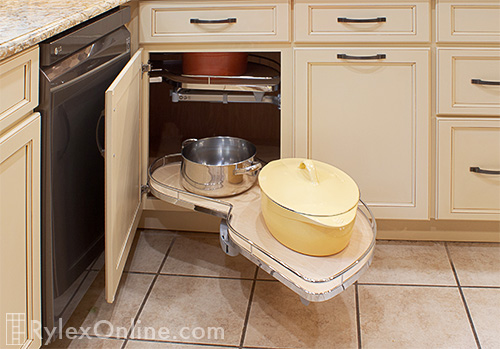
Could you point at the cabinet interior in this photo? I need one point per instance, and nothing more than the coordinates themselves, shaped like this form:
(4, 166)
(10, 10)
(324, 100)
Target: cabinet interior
(170, 122)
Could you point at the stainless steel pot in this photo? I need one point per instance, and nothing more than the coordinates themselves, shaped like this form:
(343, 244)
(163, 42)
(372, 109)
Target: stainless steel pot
(218, 166)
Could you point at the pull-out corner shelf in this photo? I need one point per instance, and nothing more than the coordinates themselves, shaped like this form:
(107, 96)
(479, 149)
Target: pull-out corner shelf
(243, 231)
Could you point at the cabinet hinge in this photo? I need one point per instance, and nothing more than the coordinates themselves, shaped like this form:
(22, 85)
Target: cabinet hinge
(144, 189)
(146, 68)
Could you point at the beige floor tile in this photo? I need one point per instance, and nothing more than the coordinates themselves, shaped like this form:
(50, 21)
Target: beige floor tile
(153, 345)
(484, 307)
(85, 342)
(477, 264)
(95, 313)
(201, 254)
(148, 250)
(197, 305)
(404, 262)
(278, 319)
(413, 317)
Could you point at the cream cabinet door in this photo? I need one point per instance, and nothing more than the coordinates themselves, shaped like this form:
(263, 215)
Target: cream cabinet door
(366, 111)
(123, 169)
(20, 235)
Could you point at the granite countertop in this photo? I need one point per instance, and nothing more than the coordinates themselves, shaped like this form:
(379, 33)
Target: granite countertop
(24, 23)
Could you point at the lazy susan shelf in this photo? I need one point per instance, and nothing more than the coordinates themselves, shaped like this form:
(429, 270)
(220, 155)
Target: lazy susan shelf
(312, 278)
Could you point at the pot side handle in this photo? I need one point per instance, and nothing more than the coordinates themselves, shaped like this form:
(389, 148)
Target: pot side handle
(188, 141)
(255, 166)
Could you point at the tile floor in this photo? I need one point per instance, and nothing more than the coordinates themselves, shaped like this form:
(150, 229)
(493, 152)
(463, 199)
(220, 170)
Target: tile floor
(415, 295)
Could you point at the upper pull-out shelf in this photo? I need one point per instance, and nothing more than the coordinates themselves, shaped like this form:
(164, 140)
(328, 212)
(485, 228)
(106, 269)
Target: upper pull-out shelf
(257, 85)
(243, 231)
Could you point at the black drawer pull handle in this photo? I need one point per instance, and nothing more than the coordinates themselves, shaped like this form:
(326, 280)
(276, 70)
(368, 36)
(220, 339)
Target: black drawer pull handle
(484, 82)
(213, 21)
(377, 56)
(480, 170)
(361, 20)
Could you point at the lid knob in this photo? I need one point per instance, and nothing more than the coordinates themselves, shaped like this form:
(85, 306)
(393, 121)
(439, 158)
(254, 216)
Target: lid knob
(311, 173)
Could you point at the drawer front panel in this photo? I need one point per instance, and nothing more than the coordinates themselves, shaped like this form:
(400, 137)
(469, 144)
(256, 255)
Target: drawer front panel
(469, 82)
(257, 21)
(472, 21)
(18, 87)
(467, 150)
(362, 22)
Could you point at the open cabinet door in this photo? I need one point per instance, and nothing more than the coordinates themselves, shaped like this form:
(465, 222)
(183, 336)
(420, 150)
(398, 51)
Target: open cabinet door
(123, 159)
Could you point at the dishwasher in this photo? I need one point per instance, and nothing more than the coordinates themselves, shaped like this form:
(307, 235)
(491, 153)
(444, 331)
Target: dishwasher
(76, 68)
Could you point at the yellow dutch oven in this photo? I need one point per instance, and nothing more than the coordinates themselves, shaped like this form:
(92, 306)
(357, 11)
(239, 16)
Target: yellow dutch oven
(308, 206)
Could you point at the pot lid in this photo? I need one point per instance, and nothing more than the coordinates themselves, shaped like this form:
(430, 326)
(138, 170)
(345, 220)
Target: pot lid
(309, 187)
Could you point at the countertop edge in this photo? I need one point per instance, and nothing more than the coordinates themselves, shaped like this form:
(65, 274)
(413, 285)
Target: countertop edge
(31, 38)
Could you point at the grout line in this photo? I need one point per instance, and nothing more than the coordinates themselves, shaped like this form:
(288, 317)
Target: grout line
(190, 276)
(358, 320)
(469, 317)
(247, 315)
(486, 287)
(148, 293)
(405, 285)
(268, 280)
(102, 337)
(202, 345)
(207, 276)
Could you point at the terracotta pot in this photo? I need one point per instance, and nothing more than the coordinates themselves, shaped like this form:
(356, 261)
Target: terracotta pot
(214, 63)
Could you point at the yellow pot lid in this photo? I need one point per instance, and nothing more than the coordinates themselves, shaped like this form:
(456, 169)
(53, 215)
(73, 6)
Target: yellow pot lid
(309, 187)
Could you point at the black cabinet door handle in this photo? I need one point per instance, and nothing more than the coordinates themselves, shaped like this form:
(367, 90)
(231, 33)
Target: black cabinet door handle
(377, 56)
(362, 20)
(480, 170)
(212, 21)
(484, 82)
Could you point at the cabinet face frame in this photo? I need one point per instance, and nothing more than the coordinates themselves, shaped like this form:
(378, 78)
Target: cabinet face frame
(448, 158)
(419, 61)
(24, 140)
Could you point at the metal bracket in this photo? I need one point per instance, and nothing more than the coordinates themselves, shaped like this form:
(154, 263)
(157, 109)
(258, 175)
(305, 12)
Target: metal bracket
(145, 68)
(144, 189)
(226, 244)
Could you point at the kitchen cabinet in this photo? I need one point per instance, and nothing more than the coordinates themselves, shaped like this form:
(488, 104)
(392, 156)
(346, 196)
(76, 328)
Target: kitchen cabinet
(18, 87)
(217, 21)
(242, 229)
(20, 295)
(361, 21)
(468, 81)
(467, 91)
(20, 234)
(367, 112)
(468, 21)
(468, 168)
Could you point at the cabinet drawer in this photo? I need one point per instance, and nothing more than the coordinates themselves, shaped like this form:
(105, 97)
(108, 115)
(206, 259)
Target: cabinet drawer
(468, 21)
(468, 81)
(358, 22)
(18, 87)
(214, 22)
(465, 144)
